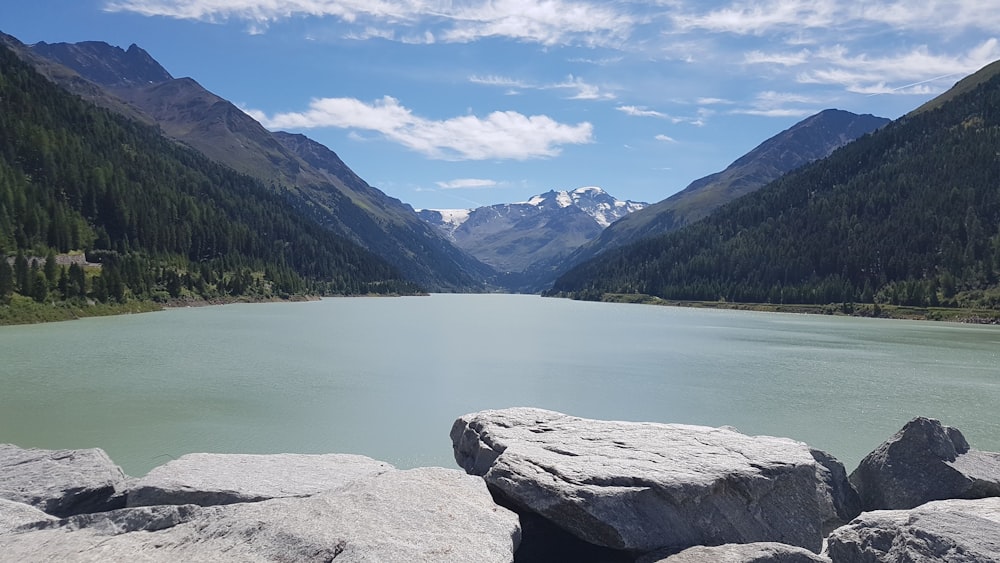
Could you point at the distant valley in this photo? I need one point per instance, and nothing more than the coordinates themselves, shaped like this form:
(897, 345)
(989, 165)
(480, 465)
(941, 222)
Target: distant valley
(526, 241)
(181, 196)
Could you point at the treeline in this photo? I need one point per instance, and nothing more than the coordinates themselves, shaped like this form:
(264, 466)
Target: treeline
(161, 219)
(909, 215)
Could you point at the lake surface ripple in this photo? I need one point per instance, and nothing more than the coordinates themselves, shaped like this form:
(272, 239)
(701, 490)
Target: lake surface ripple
(386, 377)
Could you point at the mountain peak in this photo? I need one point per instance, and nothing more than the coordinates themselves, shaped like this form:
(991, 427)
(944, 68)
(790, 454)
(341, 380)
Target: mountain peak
(104, 64)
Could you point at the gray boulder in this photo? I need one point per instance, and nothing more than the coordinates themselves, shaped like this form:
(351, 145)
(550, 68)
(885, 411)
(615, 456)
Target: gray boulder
(211, 479)
(61, 482)
(947, 531)
(642, 486)
(430, 514)
(122, 520)
(16, 515)
(760, 552)
(925, 461)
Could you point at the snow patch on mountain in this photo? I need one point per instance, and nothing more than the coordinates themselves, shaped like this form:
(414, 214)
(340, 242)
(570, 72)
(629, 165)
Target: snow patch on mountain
(594, 201)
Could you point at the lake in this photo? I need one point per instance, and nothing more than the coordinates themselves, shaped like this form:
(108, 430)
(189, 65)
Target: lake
(386, 377)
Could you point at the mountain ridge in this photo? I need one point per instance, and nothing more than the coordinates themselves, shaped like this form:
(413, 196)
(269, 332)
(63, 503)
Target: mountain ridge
(163, 221)
(808, 140)
(525, 241)
(335, 197)
(906, 216)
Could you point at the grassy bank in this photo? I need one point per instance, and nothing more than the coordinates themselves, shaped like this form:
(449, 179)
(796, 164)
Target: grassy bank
(23, 310)
(980, 316)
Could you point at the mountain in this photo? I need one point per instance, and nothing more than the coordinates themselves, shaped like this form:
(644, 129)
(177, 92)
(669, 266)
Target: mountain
(811, 139)
(908, 215)
(526, 240)
(106, 65)
(311, 176)
(160, 219)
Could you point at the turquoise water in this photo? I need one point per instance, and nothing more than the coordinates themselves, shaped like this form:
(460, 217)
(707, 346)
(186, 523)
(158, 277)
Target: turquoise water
(386, 377)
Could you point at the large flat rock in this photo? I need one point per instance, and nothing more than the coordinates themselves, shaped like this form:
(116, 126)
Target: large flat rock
(211, 479)
(61, 482)
(947, 531)
(925, 461)
(644, 486)
(419, 515)
(761, 552)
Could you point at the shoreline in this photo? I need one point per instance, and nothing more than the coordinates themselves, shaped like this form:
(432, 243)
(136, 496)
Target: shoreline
(24, 311)
(861, 310)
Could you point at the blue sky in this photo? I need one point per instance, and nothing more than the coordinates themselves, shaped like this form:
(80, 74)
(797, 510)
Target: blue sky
(461, 103)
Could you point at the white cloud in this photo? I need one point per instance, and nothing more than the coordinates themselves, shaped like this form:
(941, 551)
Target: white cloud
(499, 135)
(713, 101)
(467, 183)
(665, 138)
(782, 59)
(917, 67)
(760, 17)
(636, 111)
(780, 104)
(549, 22)
(494, 80)
(639, 111)
(583, 90)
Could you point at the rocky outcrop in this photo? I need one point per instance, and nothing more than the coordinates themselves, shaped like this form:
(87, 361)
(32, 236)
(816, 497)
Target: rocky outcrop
(642, 486)
(966, 531)
(61, 482)
(761, 552)
(212, 479)
(430, 514)
(587, 491)
(925, 461)
(15, 515)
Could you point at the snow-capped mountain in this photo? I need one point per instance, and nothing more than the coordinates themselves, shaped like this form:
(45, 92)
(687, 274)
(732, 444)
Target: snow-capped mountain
(520, 239)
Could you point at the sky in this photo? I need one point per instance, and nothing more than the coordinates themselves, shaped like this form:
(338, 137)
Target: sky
(464, 103)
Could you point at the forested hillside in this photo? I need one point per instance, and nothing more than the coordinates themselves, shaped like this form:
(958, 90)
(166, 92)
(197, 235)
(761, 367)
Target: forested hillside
(161, 220)
(310, 176)
(909, 215)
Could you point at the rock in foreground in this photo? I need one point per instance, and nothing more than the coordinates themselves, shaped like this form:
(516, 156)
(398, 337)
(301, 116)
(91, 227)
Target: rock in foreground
(644, 486)
(61, 482)
(761, 552)
(947, 531)
(212, 479)
(925, 461)
(430, 515)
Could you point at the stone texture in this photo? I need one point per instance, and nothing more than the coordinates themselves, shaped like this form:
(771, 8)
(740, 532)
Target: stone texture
(643, 486)
(760, 552)
(430, 514)
(61, 482)
(211, 479)
(925, 461)
(946, 531)
(15, 515)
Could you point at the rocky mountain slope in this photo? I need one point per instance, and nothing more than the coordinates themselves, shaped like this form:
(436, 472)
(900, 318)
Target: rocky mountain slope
(906, 216)
(526, 240)
(315, 181)
(811, 139)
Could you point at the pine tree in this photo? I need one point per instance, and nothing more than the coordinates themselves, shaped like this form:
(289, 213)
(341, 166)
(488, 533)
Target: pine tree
(6, 280)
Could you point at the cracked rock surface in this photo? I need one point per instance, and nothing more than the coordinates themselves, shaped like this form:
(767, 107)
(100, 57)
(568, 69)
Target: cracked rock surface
(61, 482)
(946, 531)
(761, 552)
(645, 486)
(212, 479)
(429, 514)
(925, 461)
